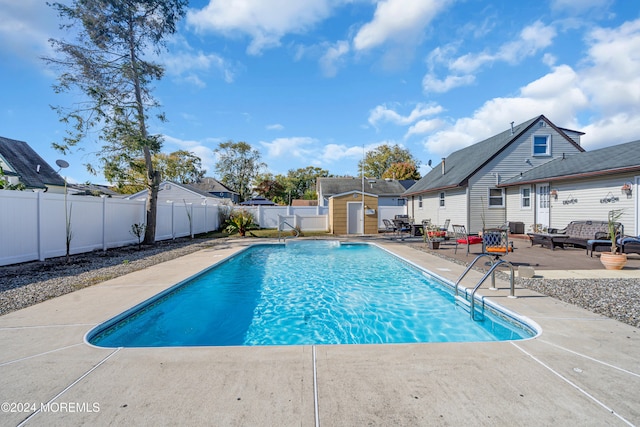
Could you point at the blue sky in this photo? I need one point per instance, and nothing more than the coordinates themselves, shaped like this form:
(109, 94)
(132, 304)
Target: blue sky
(316, 82)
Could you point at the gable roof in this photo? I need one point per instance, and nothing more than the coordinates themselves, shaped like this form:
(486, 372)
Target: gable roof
(604, 161)
(380, 187)
(211, 185)
(185, 187)
(25, 161)
(462, 164)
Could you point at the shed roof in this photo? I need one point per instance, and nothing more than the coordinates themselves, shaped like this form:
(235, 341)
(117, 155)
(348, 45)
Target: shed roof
(462, 164)
(380, 187)
(25, 161)
(604, 161)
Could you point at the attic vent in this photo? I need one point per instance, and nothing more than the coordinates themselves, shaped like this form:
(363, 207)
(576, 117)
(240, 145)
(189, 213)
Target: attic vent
(542, 124)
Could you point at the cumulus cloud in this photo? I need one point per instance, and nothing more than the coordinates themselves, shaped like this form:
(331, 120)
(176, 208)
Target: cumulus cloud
(424, 126)
(397, 20)
(299, 147)
(264, 22)
(606, 88)
(275, 126)
(187, 65)
(382, 113)
(431, 83)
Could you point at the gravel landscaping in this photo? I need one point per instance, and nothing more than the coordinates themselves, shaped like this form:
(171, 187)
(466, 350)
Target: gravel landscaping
(29, 283)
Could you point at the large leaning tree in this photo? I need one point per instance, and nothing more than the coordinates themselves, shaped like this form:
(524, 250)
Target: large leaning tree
(108, 63)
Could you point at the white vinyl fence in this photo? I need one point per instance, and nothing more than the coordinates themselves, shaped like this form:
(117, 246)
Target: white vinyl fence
(32, 224)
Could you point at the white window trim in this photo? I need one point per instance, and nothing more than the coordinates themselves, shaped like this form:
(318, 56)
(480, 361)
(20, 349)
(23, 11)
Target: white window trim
(489, 198)
(533, 145)
(526, 187)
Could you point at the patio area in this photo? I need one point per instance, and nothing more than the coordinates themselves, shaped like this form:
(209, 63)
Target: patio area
(583, 369)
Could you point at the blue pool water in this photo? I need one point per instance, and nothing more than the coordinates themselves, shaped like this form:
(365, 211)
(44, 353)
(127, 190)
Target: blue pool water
(304, 293)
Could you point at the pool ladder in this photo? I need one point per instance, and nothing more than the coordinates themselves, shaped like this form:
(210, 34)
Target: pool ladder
(280, 230)
(469, 298)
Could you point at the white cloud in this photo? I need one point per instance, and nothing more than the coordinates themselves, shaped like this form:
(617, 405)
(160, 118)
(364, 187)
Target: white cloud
(187, 64)
(397, 20)
(266, 22)
(424, 126)
(383, 114)
(332, 58)
(557, 95)
(532, 39)
(25, 28)
(300, 147)
(430, 83)
(275, 126)
(206, 154)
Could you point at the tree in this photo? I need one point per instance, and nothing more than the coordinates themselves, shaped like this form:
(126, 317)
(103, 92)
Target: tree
(302, 182)
(180, 166)
(268, 186)
(107, 64)
(402, 170)
(237, 166)
(378, 161)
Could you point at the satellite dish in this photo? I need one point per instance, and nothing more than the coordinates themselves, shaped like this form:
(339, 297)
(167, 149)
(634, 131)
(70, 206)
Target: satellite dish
(62, 163)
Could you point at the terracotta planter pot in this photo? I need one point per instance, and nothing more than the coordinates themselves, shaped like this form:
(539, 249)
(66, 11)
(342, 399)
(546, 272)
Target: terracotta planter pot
(613, 261)
(434, 245)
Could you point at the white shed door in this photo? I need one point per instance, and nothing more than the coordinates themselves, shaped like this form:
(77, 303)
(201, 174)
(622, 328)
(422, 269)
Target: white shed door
(354, 218)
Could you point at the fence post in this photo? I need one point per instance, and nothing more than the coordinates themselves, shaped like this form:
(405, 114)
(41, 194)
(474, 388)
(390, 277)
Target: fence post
(39, 218)
(104, 224)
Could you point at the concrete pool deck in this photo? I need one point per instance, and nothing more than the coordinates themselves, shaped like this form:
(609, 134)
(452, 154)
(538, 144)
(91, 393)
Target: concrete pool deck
(584, 369)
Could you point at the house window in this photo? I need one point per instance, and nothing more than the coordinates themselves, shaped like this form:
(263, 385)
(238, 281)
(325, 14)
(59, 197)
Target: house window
(496, 198)
(525, 197)
(420, 201)
(542, 145)
(442, 199)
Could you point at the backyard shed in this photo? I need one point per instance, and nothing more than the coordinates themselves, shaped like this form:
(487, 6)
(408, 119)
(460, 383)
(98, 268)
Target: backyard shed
(346, 213)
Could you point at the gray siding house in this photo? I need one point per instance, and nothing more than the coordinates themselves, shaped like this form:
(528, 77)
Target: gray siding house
(465, 187)
(180, 193)
(21, 164)
(585, 186)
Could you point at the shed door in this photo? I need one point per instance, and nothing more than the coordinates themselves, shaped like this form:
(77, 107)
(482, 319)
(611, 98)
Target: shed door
(542, 204)
(354, 218)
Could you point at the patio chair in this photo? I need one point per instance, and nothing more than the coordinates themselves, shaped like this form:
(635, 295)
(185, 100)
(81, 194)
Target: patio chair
(461, 237)
(401, 227)
(495, 241)
(388, 226)
(445, 226)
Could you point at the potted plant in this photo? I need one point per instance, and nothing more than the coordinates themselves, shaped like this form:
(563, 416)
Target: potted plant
(613, 260)
(433, 236)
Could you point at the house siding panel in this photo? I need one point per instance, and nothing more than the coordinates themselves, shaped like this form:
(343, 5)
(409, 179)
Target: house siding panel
(584, 200)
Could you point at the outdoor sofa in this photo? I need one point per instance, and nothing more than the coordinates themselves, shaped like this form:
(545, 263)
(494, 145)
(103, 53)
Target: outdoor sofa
(577, 234)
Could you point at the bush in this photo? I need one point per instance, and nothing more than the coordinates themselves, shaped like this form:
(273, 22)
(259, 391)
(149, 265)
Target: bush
(239, 222)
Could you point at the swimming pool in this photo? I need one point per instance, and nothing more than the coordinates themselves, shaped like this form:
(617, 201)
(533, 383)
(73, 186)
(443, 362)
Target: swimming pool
(317, 292)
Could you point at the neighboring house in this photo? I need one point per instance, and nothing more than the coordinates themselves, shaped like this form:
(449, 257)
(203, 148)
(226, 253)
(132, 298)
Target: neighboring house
(585, 186)
(389, 191)
(179, 193)
(303, 202)
(92, 190)
(465, 186)
(258, 201)
(22, 165)
(216, 189)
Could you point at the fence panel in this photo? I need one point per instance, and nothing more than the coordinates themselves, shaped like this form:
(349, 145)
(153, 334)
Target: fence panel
(33, 225)
(18, 227)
